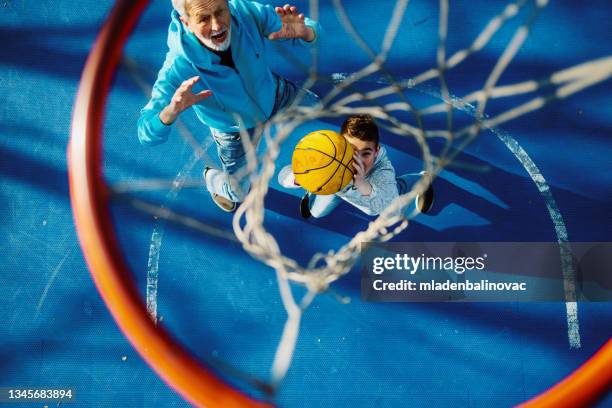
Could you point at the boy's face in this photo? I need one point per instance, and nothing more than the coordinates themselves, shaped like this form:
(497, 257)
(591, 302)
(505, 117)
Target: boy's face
(364, 150)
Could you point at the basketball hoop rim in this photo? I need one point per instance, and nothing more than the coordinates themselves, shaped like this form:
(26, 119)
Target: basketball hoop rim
(89, 198)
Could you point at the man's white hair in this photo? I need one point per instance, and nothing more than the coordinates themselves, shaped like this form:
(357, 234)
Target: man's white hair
(179, 5)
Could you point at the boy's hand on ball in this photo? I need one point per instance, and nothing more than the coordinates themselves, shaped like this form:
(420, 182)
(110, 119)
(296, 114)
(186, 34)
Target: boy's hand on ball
(359, 181)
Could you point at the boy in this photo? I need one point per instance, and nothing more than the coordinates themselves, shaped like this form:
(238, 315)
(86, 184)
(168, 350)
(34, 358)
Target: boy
(374, 184)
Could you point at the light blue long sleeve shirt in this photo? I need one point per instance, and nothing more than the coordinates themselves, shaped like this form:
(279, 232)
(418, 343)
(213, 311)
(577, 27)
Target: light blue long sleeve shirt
(384, 187)
(243, 96)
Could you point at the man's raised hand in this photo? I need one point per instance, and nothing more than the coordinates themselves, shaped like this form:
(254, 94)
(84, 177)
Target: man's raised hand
(182, 99)
(293, 25)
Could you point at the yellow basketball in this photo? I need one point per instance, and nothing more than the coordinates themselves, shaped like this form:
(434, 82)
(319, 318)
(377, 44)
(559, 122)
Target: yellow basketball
(322, 162)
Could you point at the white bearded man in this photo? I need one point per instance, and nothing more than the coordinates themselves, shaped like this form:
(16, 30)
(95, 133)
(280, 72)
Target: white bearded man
(215, 64)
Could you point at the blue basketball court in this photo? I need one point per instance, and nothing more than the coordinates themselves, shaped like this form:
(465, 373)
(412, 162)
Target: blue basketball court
(543, 176)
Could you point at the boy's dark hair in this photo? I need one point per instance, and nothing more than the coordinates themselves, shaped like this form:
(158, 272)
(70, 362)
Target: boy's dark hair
(360, 127)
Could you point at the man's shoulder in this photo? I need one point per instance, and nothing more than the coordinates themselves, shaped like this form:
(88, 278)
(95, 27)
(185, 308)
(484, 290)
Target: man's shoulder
(241, 8)
(250, 11)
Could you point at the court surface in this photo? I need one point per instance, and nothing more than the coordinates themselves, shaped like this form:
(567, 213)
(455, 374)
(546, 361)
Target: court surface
(222, 304)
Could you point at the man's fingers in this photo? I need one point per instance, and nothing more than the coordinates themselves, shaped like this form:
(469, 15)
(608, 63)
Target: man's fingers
(204, 94)
(289, 15)
(190, 81)
(184, 89)
(185, 85)
(290, 10)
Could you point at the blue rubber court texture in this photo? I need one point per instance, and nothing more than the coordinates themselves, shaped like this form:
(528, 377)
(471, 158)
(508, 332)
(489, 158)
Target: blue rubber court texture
(223, 305)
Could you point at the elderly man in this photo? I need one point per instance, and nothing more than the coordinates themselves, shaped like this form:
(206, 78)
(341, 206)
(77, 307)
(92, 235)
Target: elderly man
(215, 64)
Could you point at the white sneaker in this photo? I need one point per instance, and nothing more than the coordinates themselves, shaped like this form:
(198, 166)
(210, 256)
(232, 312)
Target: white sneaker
(222, 202)
(286, 178)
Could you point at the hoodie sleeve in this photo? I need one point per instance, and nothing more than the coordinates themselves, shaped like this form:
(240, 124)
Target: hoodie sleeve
(269, 22)
(151, 130)
(384, 188)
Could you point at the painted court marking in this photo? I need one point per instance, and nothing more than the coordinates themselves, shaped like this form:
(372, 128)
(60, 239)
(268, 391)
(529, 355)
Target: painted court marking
(134, 71)
(157, 236)
(567, 266)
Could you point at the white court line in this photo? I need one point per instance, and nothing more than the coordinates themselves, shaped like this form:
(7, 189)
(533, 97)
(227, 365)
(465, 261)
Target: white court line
(157, 236)
(567, 266)
(56, 270)
(153, 270)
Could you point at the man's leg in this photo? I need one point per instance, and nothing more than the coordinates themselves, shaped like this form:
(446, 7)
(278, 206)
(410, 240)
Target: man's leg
(287, 91)
(231, 182)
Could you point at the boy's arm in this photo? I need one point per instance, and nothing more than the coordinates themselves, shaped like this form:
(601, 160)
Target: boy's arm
(384, 190)
(379, 189)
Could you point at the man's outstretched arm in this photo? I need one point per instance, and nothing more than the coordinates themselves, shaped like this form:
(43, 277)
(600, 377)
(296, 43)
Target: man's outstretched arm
(169, 98)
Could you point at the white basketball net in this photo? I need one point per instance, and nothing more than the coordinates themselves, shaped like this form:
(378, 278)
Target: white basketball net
(325, 268)
(344, 100)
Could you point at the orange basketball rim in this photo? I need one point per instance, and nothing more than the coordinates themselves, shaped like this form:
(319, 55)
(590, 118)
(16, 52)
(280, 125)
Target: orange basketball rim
(90, 197)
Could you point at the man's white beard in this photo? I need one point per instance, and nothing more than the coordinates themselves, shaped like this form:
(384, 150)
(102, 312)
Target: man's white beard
(218, 47)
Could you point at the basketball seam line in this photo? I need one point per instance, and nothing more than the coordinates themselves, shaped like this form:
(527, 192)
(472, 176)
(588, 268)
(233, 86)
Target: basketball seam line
(340, 162)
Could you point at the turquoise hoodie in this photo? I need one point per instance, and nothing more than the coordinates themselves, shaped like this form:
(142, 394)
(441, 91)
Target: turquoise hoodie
(248, 92)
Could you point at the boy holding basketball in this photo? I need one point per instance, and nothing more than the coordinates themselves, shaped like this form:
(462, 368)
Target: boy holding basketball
(374, 184)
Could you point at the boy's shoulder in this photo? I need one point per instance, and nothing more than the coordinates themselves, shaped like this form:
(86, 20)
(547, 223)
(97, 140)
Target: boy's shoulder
(382, 167)
(382, 159)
